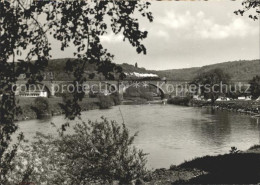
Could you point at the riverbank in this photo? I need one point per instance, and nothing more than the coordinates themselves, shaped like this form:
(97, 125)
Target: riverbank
(28, 113)
(184, 101)
(141, 101)
(241, 106)
(170, 128)
(235, 167)
(250, 107)
(86, 104)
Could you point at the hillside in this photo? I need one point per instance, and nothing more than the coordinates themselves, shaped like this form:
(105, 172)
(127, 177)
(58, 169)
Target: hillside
(57, 67)
(242, 70)
(238, 70)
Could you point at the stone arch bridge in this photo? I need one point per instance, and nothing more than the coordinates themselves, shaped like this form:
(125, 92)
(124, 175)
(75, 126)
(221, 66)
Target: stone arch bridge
(165, 88)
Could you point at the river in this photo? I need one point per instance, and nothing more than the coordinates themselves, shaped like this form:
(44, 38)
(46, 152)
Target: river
(171, 134)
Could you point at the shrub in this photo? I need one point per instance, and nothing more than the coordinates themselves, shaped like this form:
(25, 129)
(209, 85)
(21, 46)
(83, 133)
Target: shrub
(131, 94)
(116, 98)
(92, 94)
(254, 147)
(179, 101)
(59, 94)
(105, 102)
(97, 152)
(234, 150)
(140, 92)
(41, 106)
(146, 95)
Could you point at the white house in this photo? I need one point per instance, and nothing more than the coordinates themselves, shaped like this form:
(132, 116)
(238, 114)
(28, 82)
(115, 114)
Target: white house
(241, 98)
(196, 97)
(43, 94)
(247, 98)
(34, 94)
(223, 99)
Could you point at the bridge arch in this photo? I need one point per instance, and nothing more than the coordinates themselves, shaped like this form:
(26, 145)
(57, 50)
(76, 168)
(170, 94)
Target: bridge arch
(158, 88)
(162, 92)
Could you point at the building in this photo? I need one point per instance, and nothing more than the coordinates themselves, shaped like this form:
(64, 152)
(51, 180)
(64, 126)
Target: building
(33, 94)
(223, 99)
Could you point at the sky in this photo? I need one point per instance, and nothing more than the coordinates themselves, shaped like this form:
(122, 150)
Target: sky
(191, 34)
(186, 34)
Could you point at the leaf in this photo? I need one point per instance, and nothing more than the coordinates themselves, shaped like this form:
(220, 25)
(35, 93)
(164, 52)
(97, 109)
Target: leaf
(138, 49)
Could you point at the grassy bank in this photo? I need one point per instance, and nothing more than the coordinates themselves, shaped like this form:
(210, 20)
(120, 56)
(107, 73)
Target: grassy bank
(179, 101)
(26, 105)
(232, 168)
(241, 106)
(251, 106)
(100, 102)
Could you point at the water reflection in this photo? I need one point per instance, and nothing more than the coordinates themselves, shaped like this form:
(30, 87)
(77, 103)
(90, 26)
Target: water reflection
(171, 134)
(214, 130)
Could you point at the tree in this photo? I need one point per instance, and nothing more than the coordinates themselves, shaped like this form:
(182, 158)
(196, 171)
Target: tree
(210, 84)
(16, 34)
(136, 65)
(250, 5)
(41, 107)
(78, 23)
(105, 102)
(255, 87)
(96, 152)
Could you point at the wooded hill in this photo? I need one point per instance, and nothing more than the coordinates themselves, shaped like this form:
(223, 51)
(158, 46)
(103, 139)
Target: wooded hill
(242, 70)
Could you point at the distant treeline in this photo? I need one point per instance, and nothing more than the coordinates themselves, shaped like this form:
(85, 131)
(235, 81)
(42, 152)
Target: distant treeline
(242, 70)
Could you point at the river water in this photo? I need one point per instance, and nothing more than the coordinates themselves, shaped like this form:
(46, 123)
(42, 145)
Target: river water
(171, 134)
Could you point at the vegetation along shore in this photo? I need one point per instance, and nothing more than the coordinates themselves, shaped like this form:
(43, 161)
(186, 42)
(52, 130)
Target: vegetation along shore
(33, 108)
(250, 107)
(233, 167)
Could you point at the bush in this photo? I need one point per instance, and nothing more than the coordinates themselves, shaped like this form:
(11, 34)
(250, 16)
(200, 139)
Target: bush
(234, 150)
(59, 94)
(105, 102)
(254, 147)
(146, 95)
(41, 106)
(116, 98)
(97, 152)
(140, 92)
(92, 94)
(179, 101)
(131, 94)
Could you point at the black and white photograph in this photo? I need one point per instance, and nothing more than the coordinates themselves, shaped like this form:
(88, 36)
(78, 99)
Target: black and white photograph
(129, 92)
